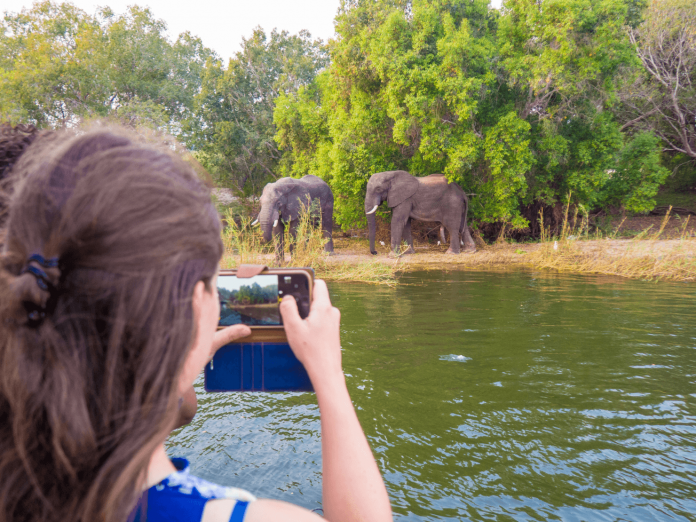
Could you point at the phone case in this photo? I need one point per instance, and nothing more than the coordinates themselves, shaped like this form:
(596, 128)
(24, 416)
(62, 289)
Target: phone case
(256, 367)
(261, 362)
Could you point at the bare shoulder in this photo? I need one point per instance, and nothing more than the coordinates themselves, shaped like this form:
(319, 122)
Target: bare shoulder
(263, 510)
(266, 510)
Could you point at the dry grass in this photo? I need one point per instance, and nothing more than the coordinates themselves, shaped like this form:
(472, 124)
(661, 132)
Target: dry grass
(646, 256)
(669, 260)
(640, 261)
(244, 245)
(643, 257)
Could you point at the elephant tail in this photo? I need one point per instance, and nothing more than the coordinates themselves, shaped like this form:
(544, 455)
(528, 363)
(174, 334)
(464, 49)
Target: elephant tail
(465, 211)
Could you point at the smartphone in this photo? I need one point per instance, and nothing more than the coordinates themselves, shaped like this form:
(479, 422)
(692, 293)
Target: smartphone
(263, 361)
(255, 300)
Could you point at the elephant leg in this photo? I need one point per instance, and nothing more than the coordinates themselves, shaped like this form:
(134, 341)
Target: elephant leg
(467, 241)
(399, 218)
(408, 237)
(442, 234)
(453, 229)
(294, 224)
(279, 242)
(327, 227)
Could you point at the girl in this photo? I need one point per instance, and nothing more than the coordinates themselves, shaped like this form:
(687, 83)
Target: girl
(108, 312)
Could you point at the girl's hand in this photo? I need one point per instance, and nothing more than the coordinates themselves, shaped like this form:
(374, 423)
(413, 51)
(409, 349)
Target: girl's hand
(228, 335)
(316, 340)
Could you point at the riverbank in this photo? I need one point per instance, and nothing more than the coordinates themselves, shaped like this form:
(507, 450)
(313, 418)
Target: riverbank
(670, 259)
(656, 248)
(654, 260)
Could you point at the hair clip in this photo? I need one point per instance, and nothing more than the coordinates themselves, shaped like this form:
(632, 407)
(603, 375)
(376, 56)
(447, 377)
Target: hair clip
(42, 279)
(46, 263)
(37, 313)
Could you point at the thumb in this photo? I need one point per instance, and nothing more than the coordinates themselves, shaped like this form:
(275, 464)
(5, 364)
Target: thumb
(291, 316)
(229, 334)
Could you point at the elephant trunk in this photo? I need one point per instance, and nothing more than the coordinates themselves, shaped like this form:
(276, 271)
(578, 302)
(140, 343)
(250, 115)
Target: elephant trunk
(266, 219)
(372, 222)
(372, 202)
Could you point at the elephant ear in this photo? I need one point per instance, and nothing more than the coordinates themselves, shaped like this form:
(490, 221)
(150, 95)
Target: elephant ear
(402, 187)
(293, 191)
(284, 185)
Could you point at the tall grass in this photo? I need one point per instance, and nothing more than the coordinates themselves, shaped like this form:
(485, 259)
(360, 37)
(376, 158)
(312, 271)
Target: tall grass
(573, 248)
(244, 245)
(641, 258)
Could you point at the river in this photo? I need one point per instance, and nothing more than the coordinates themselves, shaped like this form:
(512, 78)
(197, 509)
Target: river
(489, 395)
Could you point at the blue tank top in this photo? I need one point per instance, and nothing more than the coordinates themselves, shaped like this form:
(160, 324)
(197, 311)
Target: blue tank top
(181, 497)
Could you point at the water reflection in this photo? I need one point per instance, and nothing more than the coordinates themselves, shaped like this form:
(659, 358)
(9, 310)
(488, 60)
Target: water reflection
(574, 399)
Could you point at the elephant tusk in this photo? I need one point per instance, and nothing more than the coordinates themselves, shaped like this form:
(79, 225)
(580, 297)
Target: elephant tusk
(255, 222)
(275, 223)
(373, 210)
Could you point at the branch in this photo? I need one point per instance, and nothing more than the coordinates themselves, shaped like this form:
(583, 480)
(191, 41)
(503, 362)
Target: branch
(649, 113)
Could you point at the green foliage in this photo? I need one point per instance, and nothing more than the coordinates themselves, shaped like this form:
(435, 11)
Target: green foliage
(60, 65)
(509, 158)
(521, 106)
(683, 173)
(515, 106)
(234, 128)
(638, 174)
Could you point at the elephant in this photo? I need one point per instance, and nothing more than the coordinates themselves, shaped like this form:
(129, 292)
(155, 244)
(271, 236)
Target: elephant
(283, 201)
(430, 198)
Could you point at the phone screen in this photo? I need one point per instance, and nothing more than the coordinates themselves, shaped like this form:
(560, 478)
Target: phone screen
(254, 300)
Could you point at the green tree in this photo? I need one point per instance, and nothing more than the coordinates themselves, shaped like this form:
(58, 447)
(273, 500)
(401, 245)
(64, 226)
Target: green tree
(406, 85)
(561, 59)
(234, 126)
(60, 65)
(516, 106)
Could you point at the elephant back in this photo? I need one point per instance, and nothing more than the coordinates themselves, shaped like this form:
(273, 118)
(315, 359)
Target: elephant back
(318, 188)
(433, 180)
(441, 179)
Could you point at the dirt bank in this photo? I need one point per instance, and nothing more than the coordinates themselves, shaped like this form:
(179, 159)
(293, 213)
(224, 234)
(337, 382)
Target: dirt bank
(671, 259)
(653, 248)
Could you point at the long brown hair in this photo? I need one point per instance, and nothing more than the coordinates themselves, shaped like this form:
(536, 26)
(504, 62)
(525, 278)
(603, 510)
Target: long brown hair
(15, 142)
(89, 362)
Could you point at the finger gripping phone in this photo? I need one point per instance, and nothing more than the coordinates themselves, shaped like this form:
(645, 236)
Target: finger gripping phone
(264, 360)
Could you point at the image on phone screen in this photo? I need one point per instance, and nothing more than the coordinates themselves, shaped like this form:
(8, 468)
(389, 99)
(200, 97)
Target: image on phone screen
(252, 301)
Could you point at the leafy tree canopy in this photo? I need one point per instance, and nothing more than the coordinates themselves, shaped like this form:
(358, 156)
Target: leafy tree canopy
(59, 65)
(234, 126)
(520, 106)
(516, 106)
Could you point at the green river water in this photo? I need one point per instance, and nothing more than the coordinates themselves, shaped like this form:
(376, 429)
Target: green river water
(489, 396)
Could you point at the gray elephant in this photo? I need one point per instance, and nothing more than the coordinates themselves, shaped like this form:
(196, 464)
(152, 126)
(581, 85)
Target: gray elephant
(283, 201)
(430, 198)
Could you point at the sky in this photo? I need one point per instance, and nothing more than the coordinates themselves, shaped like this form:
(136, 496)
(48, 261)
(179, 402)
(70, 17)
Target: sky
(232, 283)
(221, 24)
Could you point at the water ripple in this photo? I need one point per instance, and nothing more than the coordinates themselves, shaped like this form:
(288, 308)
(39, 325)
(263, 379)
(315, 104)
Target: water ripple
(575, 402)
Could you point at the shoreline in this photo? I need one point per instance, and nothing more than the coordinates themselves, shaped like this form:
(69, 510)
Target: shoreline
(668, 253)
(646, 259)
(653, 259)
